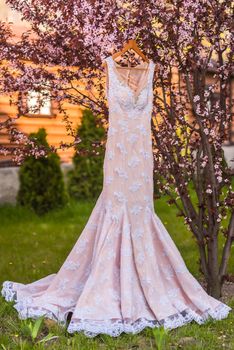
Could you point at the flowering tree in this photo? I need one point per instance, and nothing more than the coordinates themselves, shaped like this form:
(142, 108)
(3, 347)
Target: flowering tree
(189, 150)
(194, 123)
(190, 41)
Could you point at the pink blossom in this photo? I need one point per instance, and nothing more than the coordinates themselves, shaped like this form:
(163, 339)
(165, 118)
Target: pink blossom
(196, 98)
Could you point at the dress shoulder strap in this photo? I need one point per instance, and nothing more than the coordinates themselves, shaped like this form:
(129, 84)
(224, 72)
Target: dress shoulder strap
(151, 72)
(108, 73)
(108, 62)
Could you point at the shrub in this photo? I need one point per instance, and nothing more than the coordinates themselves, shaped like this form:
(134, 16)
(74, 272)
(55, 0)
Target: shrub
(86, 179)
(41, 180)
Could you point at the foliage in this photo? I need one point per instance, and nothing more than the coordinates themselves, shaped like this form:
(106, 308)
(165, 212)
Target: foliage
(190, 41)
(33, 330)
(86, 179)
(41, 180)
(160, 336)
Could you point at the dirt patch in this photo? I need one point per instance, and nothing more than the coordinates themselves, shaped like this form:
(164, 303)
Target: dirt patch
(227, 290)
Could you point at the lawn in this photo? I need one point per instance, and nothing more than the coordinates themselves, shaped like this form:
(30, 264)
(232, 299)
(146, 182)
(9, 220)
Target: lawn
(32, 247)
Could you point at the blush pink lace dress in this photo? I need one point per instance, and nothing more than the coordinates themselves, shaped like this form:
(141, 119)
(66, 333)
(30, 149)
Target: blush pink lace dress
(124, 272)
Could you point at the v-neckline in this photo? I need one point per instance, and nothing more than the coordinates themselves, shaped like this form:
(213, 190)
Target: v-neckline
(123, 82)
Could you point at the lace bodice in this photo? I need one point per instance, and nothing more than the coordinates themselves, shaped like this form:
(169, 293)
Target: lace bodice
(122, 98)
(128, 164)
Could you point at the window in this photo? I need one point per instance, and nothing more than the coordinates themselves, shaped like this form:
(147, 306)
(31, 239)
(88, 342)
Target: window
(39, 103)
(213, 99)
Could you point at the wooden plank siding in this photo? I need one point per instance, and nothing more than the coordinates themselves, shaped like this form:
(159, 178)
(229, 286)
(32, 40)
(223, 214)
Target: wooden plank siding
(55, 126)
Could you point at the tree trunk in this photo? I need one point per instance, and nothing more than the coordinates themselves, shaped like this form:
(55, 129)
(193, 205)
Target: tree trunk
(214, 287)
(214, 283)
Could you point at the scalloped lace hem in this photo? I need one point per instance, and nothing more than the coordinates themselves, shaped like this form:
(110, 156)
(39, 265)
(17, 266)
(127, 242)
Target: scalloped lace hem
(112, 327)
(7, 291)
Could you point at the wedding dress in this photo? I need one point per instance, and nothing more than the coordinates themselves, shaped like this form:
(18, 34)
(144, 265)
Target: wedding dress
(124, 273)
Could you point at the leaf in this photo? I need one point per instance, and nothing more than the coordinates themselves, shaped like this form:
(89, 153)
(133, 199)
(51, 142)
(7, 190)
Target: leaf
(36, 327)
(49, 337)
(159, 336)
(30, 327)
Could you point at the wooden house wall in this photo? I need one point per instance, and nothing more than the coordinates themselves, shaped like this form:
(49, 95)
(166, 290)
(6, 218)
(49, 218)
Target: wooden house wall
(55, 126)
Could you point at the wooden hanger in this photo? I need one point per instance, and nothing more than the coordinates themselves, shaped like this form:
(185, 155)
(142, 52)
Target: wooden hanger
(131, 44)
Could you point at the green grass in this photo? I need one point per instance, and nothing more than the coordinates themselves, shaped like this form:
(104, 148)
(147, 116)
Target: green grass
(33, 247)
